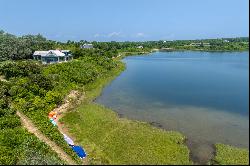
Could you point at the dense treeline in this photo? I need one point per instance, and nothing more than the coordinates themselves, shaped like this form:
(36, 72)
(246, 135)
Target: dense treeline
(16, 48)
(223, 44)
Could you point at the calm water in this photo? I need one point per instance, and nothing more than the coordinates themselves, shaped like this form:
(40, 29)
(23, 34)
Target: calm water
(204, 95)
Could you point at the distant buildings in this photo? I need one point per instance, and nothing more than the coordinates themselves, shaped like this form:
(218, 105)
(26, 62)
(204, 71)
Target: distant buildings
(53, 56)
(166, 48)
(200, 44)
(86, 45)
(139, 47)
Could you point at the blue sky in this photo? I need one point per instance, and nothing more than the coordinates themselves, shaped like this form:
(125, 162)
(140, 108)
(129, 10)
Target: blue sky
(126, 20)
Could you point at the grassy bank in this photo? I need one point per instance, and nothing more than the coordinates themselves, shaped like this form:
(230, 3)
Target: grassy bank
(228, 155)
(109, 139)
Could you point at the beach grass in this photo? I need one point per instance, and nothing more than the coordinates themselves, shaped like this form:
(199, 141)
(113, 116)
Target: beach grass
(114, 140)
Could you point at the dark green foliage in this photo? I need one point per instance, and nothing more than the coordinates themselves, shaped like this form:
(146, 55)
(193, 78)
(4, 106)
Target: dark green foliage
(6, 112)
(16, 48)
(19, 69)
(37, 89)
(74, 72)
(4, 95)
(17, 146)
(3, 101)
(81, 72)
(30, 86)
(41, 81)
(13, 138)
(10, 121)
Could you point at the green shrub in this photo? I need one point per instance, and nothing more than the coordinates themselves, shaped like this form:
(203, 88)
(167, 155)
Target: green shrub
(17, 146)
(10, 121)
(6, 112)
(36, 90)
(19, 69)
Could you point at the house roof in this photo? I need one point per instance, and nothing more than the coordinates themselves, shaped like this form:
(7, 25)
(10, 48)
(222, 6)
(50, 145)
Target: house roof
(49, 53)
(65, 50)
(42, 53)
(55, 52)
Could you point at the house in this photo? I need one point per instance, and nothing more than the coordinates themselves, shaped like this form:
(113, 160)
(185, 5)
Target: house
(199, 44)
(86, 45)
(53, 56)
(139, 47)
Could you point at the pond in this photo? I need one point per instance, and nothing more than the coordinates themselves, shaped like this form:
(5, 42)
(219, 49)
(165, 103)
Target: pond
(203, 95)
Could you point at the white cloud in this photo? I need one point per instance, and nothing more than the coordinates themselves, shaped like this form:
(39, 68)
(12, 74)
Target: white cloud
(97, 35)
(113, 34)
(140, 34)
(109, 35)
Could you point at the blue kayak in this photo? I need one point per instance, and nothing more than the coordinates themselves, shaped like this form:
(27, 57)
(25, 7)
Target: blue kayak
(79, 151)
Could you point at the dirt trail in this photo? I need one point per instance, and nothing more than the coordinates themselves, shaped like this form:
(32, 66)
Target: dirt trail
(72, 99)
(27, 123)
(68, 103)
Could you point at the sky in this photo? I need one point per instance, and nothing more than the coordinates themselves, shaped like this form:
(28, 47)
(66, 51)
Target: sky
(126, 20)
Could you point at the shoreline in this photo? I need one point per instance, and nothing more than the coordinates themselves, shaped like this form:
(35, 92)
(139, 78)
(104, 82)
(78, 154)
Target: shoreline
(93, 92)
(202, 50)
(153, 124)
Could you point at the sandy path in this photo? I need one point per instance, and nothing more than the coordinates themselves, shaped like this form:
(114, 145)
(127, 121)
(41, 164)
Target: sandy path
(73, 98)
(27, 123)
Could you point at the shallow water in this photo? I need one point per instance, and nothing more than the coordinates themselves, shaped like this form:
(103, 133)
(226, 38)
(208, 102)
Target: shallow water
(204, 95)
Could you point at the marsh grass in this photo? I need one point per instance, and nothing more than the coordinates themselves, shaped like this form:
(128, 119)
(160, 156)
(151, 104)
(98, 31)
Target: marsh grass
(228, 155)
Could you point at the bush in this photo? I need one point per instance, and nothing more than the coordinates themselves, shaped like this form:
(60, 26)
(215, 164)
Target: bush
(10, 121)
(19, 69)
(36, 90)
(17, 146)
(6, 112)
